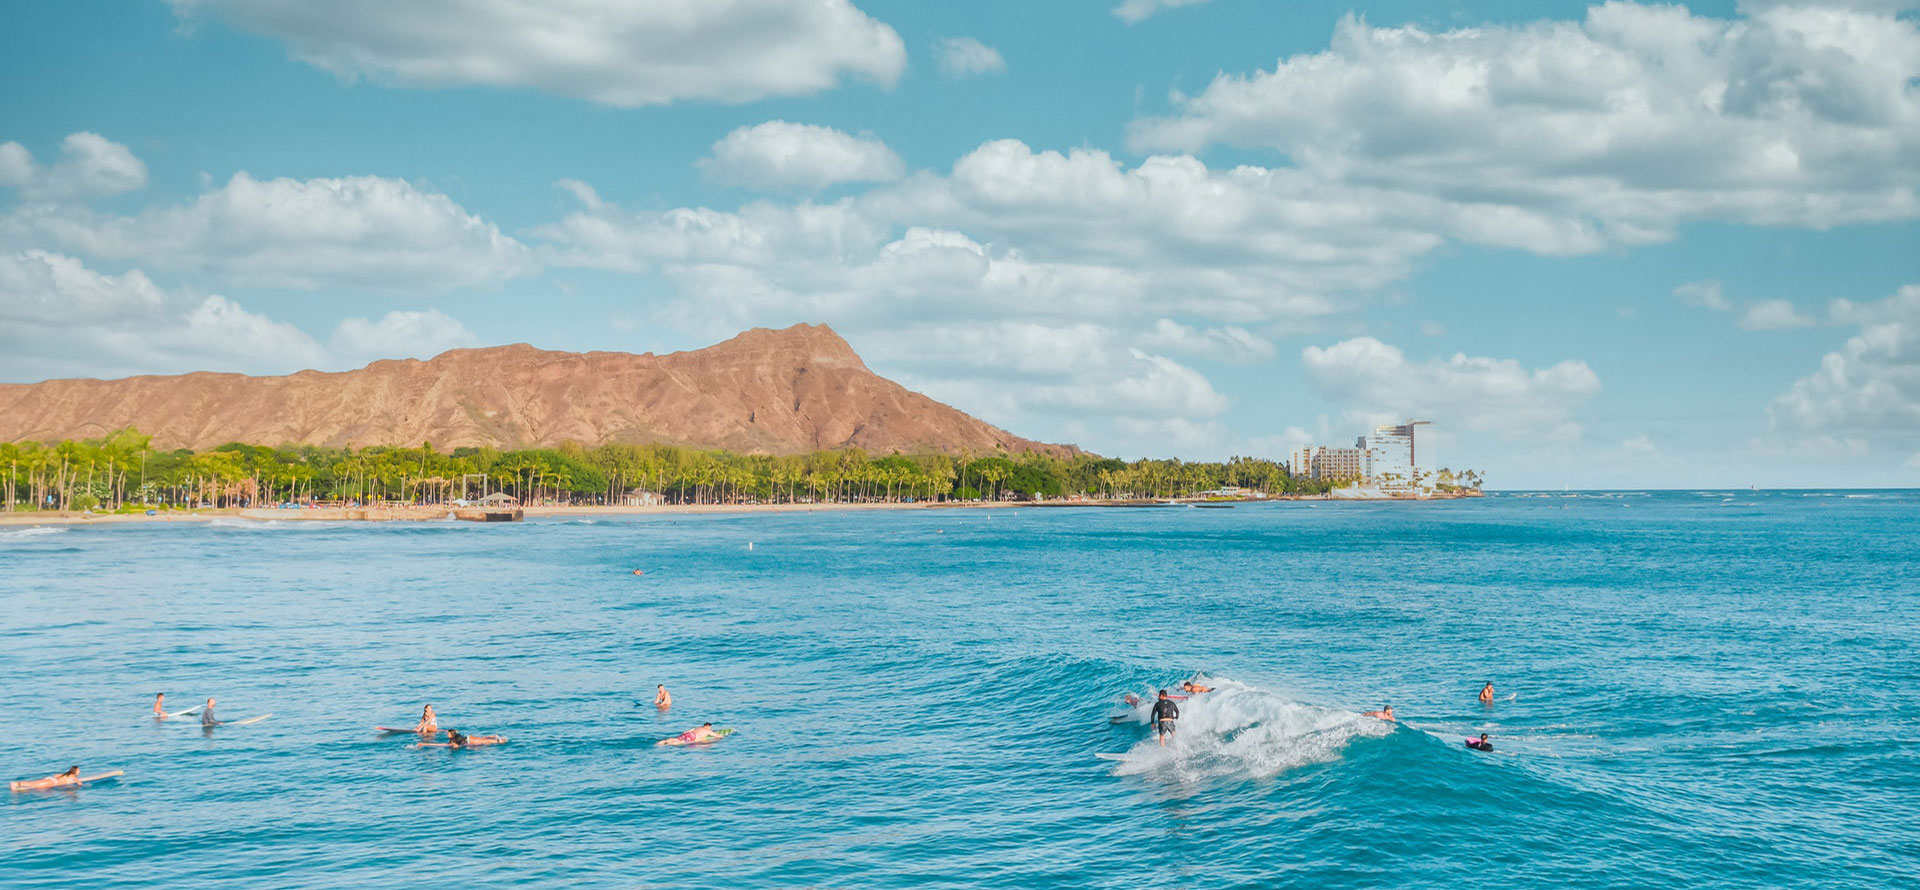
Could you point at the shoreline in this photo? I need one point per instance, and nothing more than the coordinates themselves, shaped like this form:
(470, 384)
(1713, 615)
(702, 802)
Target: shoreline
(440, 513)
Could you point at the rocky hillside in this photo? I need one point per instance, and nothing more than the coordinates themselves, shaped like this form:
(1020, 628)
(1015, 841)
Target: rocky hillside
(764, 391)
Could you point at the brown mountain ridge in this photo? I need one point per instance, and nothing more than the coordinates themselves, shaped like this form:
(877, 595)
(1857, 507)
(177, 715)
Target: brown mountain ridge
(763, 392)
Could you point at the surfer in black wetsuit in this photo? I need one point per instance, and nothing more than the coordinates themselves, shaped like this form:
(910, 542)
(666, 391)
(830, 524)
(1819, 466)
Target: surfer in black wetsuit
(1164, 713)
(1480, 744)
(206, 716)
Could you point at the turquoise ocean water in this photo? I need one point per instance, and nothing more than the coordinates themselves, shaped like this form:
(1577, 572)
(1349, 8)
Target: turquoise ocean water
(1696, 689)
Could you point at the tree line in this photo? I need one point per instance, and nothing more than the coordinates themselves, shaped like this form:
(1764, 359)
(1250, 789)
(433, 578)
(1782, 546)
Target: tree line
(121, 471)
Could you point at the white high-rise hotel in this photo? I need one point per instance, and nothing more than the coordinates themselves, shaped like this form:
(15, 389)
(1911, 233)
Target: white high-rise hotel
(1389, 459)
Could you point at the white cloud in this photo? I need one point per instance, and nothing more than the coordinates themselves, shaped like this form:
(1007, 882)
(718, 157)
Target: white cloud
(1377, 383)
(1705, 294)
(1773, 315)
(1615, 129)
(778, 154)
(61, 318)
(1134, 11)
(90, 166)
(1432, 329)
(1869, 387)
(613, 52)
(400, 334)
(1228, 343)
(962, 56)
(362, 232)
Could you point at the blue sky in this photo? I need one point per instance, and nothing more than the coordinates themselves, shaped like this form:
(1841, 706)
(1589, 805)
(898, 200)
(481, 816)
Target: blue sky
(1619, 246)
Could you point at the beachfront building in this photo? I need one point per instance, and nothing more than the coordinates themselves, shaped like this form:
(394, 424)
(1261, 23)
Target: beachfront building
(1392, 457)
(1324, 462)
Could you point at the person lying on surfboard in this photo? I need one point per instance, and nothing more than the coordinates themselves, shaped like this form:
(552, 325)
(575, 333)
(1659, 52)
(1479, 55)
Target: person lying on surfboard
(429, 723)
(1194, 688)
(702, 733)
(70, 777)
(1385, 713)
(458, 739)
(1480, 744)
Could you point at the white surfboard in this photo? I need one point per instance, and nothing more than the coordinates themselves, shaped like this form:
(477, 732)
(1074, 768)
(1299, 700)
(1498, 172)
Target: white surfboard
(246, 721)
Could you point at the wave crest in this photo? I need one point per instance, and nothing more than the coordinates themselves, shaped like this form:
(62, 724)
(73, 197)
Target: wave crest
(1242, 731)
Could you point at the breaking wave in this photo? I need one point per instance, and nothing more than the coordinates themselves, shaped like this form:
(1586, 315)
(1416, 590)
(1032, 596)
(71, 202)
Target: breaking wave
(1244, 731)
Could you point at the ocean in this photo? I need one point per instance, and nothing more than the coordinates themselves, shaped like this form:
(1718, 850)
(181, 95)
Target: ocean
(1693, 689)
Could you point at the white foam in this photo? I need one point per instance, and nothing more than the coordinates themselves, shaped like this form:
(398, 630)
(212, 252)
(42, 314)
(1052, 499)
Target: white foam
(34, 532)
(1241, 731)
(223, 522)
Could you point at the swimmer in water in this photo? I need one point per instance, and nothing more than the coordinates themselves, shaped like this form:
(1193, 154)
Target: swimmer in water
(1164, 713)
(160, 705)
(1132, 701)
(662, 699)
(70, 777)
(1486, 693)
(1194, 688)
(206, 716)
(429, 722)
(1385, 713)
(1480, 744)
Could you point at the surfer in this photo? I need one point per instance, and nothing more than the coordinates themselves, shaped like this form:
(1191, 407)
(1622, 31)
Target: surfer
(458, 739)
(206, 716)
(160, 706)
(429, 722)
(1479, 744)
(1164, 713)
(1132, 701)
(1385, 713)
(1486, 693)
(1194, 688)
(662, 699)
(702, 733)
(70, 777)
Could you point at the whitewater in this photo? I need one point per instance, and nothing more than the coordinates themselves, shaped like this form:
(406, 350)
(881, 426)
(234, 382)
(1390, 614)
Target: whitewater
(1694, 689)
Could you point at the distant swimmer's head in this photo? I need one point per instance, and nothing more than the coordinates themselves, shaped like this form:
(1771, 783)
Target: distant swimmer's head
(1483, 737)
(706, 726)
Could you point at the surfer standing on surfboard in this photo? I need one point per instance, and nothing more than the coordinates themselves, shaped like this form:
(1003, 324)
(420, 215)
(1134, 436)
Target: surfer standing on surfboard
(1164, 713)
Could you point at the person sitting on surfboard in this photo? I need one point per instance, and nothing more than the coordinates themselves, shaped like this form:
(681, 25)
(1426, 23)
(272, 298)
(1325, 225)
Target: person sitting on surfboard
(1479, 744)
(159, 705)
(1486, 693)
(429, 723)
(1385, 713)
(662, 699)
(1164, 713)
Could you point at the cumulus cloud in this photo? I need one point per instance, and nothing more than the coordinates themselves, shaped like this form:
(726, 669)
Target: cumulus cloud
(1773, 315)
(399, 334)
(1869, 388)
(363, 232)
(1705, 294)
(778, 154)
(1228, 343)
(90, 166)
(613, 52)
(962, 56)
(1377, 383)
(1617, 128)
(1134, 11)
(61, 318)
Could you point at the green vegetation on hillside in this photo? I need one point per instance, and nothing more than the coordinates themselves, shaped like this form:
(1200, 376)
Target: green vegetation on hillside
(121, 471)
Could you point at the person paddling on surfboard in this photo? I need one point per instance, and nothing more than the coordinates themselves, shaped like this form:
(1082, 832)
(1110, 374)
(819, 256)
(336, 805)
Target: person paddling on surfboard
(1194, 688)
(702, 733)
(1385, 713)
(662, 699)
(429, 722)
(458, 739)
(1479, 744)
(70, 777)
(1164, 713)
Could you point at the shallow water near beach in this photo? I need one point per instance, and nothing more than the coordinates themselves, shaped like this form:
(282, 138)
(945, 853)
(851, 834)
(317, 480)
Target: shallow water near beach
(1694, 689)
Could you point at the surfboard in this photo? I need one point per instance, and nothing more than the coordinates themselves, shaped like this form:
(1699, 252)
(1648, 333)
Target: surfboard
(246, 721)
(1106, 756)
(675, 742)
(390, 730)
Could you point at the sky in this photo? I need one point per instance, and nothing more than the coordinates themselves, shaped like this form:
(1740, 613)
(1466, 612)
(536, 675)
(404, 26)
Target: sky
(1600, 246)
